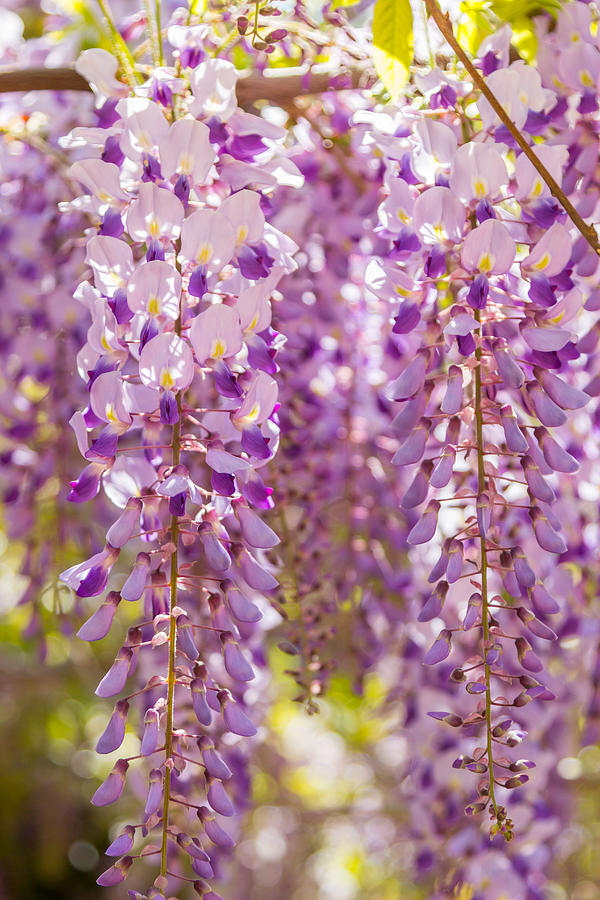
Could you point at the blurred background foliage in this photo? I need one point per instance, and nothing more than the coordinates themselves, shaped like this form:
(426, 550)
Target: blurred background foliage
(318, 782)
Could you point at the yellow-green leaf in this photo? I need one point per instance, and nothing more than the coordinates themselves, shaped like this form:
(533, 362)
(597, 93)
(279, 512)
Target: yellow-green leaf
(392, 43)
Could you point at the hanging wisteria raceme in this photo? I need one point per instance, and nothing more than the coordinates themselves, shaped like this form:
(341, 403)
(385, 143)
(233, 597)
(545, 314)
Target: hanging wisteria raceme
(385, 635)
(483, 260)
(342, 528)
(40, 266)
(182, 401)
(423, 525)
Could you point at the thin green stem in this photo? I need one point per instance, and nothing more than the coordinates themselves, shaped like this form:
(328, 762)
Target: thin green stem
(121, 49)
(481, 486)
(176, 454)
(153, 19)
(256, 8)
(161, 60)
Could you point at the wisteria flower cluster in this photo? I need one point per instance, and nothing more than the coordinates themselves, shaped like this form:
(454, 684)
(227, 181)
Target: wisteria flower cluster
(424, 273)
(482, 255)
(179, 363)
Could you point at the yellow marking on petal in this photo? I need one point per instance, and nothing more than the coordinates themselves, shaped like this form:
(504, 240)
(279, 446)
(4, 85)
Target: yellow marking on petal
(253, 323)
(542, 263)
(109, 412)
(102, 195)
(105, 343)
(154, 228)
(242, 234)
(439, 232)
(204, 253)
(486, 262)
(218, 350)
(537, 188)
(402, 292)
(402, 215)
(586, 79)
(115, 277)
(154, 306)
(185, 164)
(480, 188)
(253, 414)
(166, 380)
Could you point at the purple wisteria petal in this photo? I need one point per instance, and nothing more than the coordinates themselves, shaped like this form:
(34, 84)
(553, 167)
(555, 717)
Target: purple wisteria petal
(509, 370)
(542, 600)
(218, 799)
(434, 603)
(425, 528)
(440, 649)
(417, 491)
(235, 662)
(114, 733)
(213, 761)
(410, 381)
(527, 657)
(536, 483)
(545, 535)
(201, 707)
(545, 409)
(515, 439)
(478, 171)
(556, 456)
(116, 874)
(155, 214)
(98, 625)
(155, 793)
(551, 253)
(564, 395)
(453, 398)
(166, 362)
(121, 531)
(122, 843)
(254, 530)
(136, 582)
(154, 289)
(242, 609)
(186, 150)
(235, 718)
(444, 468)
(208, 239)
(112, 787)
(413, 448)
(488, 249)
(213, 830)
(116, 677)
(439, 216)
(150, 735)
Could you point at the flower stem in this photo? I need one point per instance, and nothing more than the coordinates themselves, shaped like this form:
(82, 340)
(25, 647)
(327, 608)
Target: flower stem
(481, 485)
(121, 49)
(176, 452)
(153, 17)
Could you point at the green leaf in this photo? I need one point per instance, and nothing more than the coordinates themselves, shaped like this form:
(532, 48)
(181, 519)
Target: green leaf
(392, 43)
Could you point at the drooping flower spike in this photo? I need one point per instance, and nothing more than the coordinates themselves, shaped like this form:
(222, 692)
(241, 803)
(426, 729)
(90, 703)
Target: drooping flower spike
(181, 416)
